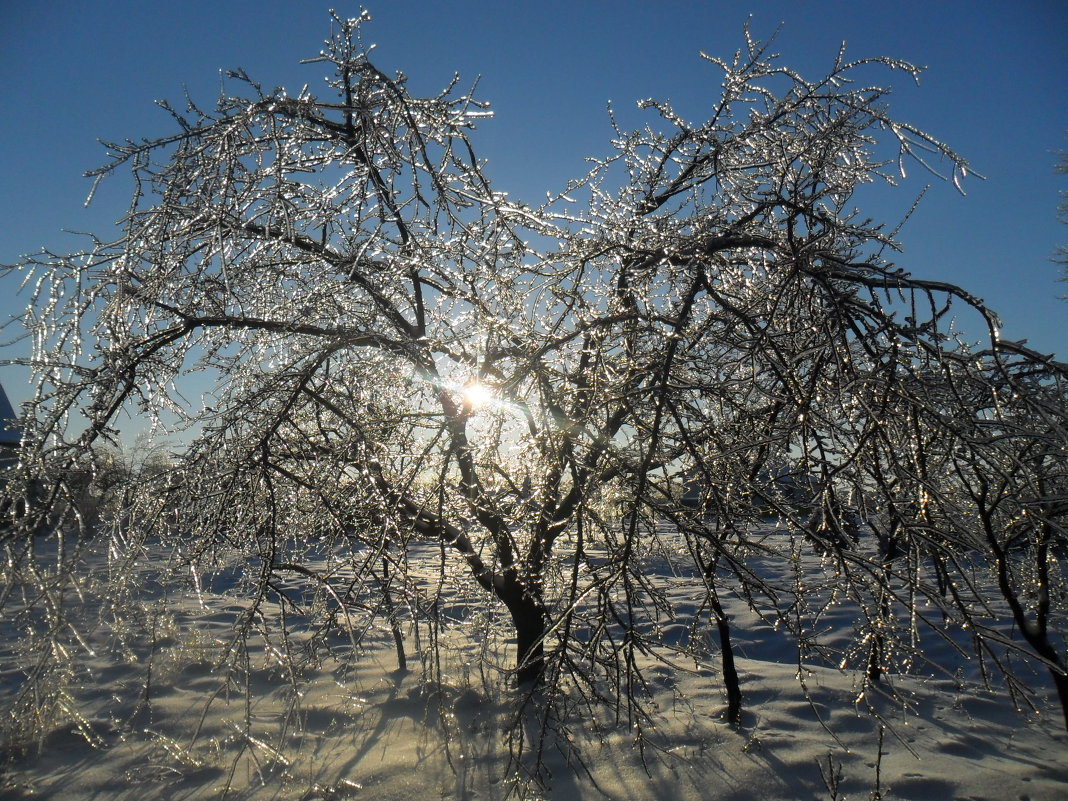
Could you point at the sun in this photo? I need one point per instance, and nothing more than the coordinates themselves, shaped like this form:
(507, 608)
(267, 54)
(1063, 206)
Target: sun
(478, 396)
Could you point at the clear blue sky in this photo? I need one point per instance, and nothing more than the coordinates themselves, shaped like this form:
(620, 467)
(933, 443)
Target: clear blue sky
(995, 89)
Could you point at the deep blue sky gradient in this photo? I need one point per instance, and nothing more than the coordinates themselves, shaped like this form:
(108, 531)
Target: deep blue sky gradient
(995, 90)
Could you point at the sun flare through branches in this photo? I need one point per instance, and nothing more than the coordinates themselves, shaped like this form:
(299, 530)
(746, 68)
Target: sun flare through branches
(579, 433)
(478, 396)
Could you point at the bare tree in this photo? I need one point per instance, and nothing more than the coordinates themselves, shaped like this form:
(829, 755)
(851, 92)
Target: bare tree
(402, 356)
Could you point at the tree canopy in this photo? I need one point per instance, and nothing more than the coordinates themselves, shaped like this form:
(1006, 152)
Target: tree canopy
(701, 351)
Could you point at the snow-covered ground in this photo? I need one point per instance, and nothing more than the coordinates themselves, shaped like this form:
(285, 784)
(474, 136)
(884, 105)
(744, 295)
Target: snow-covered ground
(352, 726)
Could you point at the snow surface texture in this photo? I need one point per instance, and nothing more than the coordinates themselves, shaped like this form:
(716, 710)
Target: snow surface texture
(352, 726)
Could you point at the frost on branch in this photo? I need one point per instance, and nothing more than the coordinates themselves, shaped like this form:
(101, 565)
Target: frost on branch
(696, 361)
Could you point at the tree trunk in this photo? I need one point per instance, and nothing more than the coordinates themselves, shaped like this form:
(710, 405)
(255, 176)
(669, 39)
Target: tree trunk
(877, 648)
(528, 616)
(1039, 640)
(391, 613)
(530, 657)
(730, 671)
(874, 669)
(1060, 681)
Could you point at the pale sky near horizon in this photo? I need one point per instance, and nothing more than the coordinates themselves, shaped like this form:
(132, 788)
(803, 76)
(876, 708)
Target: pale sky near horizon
(995, 90)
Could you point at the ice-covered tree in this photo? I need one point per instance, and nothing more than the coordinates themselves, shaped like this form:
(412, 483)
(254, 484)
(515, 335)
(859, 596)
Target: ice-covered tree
(701, 335)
